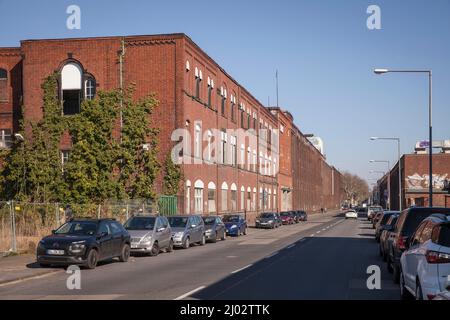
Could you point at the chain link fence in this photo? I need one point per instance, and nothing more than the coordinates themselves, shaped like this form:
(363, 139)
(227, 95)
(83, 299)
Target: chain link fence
(23, 224)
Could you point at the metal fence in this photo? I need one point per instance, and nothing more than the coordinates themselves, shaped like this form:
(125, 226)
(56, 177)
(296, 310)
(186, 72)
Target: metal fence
(23, 224)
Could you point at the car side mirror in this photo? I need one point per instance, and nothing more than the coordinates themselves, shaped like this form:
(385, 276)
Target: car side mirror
(53, 231)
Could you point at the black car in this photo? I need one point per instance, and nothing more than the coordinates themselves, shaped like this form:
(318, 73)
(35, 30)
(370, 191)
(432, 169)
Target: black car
(214, 228)
(302, 215)
(406, 225)
(84, 242)
(381, 224)
(270, 220)
(387, 236)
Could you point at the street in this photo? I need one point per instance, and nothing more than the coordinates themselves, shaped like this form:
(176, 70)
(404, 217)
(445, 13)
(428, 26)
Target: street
(323, 258)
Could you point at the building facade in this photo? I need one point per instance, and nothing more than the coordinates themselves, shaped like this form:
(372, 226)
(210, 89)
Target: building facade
(236, 154)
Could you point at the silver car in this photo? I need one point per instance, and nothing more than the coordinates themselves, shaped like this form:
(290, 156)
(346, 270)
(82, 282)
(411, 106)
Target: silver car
(149, 234)
(187, 230)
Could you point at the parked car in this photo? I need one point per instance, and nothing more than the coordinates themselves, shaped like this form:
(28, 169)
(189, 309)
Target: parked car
(381, 224)
(372, 210)
(268, 220)
(287, 217)
(351, 214)
(187, 229)
(387, 236)
(84, 242)
(376, 218)
(215, 228)
(235, 225)
(296, 216)
(425, 265)
(407, 223)
(149, 234)
(303, 215)
(444, 295)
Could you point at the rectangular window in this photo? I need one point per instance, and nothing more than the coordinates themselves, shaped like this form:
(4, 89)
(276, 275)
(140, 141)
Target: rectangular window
(224, 147)
(65, 157)
(71, 102)
(233, 200)
(233, 112)
(242, 200)
(5, 139)
(224, 200)
(209, 96)
(222, 106)
(198, 200)
(248, 120)
(197, 87)
(233, 151)
(3, 85)
(211, 201)
(242, 119)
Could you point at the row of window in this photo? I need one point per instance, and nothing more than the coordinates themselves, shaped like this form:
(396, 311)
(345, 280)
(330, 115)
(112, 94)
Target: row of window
(267, 165)
(249, 119)
(228, 198)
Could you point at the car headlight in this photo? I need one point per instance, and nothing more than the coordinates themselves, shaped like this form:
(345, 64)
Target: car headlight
(77, 247)
(257, 220)
(233, 226)
(270, 221)
(147, 239)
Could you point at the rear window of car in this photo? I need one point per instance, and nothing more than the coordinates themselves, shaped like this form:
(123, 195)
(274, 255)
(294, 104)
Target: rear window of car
(415, 217)
(385, 218)
(444, 235)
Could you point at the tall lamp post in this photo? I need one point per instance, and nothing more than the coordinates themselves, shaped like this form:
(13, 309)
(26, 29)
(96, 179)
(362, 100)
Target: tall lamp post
(389, 179)
(399, 167)
(430, 123)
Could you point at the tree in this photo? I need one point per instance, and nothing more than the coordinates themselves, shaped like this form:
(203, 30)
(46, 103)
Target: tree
(172, 177)
(355, 188)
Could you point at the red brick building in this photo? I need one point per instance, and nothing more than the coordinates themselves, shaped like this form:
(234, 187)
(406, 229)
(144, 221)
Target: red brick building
(415, 181)
(237, 155)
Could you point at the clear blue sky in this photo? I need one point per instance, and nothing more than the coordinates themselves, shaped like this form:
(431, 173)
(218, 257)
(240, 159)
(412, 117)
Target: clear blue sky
(322, 48)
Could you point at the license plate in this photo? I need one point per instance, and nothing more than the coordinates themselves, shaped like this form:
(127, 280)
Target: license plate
(55, 252)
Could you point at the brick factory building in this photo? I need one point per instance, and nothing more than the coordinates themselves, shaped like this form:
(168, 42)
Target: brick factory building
(415, 180)
(245, 156)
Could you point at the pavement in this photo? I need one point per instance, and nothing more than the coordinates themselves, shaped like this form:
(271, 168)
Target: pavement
(323, 258)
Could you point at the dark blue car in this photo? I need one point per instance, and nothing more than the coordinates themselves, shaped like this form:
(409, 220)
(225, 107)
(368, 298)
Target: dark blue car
(235, 225)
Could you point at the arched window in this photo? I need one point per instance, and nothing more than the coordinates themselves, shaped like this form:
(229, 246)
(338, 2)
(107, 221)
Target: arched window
(198, 196)
(90, 87)
(211, 197)
(224, 196)
(233, 197)
(3, 85)
(71, 85)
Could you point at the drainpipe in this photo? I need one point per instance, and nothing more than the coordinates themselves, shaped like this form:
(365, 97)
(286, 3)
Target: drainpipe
(121, 58)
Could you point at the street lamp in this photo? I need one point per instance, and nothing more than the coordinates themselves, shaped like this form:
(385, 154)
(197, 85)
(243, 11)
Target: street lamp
(399, 167)
(430, 122)
(389, 179)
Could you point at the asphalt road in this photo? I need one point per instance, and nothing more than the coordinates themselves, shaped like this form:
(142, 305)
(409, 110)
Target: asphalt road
(324, 258)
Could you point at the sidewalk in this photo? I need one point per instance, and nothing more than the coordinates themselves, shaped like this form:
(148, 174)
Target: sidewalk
(21, 267)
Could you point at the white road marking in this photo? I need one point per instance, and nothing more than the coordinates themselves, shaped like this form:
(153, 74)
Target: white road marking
(273, 254)
(187, 294)
(238, 270)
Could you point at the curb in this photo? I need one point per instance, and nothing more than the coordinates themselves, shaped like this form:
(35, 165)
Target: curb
(29, 277)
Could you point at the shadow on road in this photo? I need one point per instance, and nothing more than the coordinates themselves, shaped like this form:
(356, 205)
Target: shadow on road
(316, 268)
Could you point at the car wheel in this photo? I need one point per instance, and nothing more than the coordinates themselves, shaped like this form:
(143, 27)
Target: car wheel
(404, 293)
(125, 254)
(214, 239)
(186, 243)
(224, 235)
(170, 247)
(419, 294)
(155, 249)
(396, 274)
(92, 259)
(389, 264)
(203, 241)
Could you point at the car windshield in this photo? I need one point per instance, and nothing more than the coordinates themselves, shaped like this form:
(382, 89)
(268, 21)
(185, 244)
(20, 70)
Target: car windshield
(414, 218)
(86, 228)
(209, 220)
(178, 222)
(140, 223)
(267, 215)
(231, 219)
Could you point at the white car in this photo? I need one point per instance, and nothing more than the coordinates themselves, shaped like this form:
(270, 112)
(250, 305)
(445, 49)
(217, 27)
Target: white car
(351, 214)
(425, 266)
